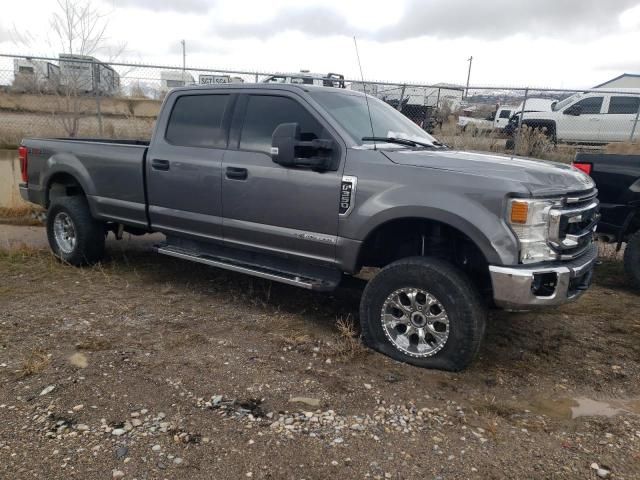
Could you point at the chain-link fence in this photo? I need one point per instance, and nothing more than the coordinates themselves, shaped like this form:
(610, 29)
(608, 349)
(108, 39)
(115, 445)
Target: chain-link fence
(73, 96)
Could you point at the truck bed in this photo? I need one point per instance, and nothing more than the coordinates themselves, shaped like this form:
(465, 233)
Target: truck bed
(110, 172)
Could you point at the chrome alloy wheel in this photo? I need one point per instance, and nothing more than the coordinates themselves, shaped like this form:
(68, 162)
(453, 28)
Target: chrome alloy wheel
(64, 232)
(415, 322)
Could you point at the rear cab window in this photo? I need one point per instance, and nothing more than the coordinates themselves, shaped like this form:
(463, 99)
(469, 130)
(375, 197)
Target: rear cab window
(197, 121)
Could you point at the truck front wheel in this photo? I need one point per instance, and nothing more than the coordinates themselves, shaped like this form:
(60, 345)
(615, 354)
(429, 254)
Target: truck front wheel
(423, 311)
(632, 259)
(74, 236)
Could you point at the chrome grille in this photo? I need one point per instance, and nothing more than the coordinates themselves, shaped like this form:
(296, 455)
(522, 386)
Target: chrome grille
(572, 224)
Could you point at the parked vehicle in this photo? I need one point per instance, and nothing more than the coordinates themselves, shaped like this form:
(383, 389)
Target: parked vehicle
(34, 76)
(304, 77)
(590, 117)
(302, 185)
(498, 120)
(617, 178)
(83, 73)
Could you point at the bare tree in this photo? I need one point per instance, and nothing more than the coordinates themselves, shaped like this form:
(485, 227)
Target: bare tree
(79, 28)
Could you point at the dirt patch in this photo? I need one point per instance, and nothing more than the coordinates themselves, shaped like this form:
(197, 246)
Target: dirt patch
(184, 371)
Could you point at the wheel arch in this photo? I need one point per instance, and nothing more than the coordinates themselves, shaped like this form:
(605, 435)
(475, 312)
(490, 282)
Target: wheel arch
(70, 174)
(453, 224)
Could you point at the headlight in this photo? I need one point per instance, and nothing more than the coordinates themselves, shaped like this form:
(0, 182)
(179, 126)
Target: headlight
(529, 220)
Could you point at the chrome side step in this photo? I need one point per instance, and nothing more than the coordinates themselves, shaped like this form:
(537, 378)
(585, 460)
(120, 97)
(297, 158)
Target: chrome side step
(250, 269)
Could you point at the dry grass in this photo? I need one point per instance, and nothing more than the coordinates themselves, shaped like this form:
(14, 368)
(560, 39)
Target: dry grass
(22, 215)
(347, 343)
(36, 362)
(531, 143)
(19, 251)
(624, 148)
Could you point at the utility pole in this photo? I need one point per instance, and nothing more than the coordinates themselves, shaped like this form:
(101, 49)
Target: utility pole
(184, 62)
(470, 60)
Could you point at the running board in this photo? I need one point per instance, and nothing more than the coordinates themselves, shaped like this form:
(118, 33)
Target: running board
(318, 284)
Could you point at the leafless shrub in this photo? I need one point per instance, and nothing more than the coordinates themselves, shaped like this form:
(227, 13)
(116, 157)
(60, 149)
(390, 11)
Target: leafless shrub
(36, 362)
(347, 343)
(533, 142)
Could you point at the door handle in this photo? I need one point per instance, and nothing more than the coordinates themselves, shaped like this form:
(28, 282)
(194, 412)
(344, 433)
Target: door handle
(234, 173)
(158, 164)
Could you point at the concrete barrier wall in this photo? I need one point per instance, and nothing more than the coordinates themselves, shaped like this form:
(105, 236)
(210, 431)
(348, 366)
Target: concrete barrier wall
(9, 179)
(126, 107)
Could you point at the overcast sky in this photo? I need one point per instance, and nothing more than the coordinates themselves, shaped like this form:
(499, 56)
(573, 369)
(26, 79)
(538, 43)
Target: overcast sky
(554, 43)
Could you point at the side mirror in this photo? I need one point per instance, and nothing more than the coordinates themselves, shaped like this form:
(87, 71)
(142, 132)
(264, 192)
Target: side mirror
(283, 143)
(288, 150)
(574, 110)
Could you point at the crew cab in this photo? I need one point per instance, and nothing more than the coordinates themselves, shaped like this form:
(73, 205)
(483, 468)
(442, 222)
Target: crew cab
(308, 185)
(593, 117)
(617, 178)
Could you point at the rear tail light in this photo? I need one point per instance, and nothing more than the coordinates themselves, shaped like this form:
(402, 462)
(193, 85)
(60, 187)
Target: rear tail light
(585, 167)
(22, 154)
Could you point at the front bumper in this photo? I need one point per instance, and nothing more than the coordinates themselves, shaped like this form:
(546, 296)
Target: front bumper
(528, 286)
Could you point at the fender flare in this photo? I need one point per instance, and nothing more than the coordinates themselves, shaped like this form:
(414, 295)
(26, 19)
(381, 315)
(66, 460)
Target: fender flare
(477, 236)
(65, 163)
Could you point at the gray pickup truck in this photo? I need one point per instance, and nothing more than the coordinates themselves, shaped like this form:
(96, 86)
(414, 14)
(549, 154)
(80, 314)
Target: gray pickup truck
(306, 185)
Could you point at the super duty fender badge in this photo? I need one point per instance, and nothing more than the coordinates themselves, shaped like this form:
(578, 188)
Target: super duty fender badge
(274, 151)
(347, 195)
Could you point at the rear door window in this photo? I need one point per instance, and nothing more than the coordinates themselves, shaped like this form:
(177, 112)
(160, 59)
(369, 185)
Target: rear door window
(505, 113)
(624, 105)
(196, 121)
(265, 112)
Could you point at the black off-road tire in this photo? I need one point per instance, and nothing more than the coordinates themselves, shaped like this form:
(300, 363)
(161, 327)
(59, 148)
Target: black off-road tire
(632, 259)
(451, 287)
(89, 233)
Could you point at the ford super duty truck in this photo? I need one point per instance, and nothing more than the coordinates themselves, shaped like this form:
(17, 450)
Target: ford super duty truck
(306, 185)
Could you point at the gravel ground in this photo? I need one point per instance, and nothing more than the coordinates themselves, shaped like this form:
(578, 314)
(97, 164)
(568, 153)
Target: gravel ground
(150, 367)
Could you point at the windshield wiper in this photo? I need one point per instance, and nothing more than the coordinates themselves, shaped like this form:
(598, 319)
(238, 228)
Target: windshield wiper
(400, 141)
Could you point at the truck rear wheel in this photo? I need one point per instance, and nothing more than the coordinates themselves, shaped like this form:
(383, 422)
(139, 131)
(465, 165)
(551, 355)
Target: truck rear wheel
(74, 236)
(423, 311)
(632, 259)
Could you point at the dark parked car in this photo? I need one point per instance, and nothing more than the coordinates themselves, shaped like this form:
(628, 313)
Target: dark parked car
(617, 178)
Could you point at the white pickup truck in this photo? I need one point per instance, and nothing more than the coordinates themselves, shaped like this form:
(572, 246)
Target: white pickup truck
(498, 120)
(590, 117)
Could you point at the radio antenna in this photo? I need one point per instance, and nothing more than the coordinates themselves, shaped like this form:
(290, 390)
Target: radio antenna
(364, 87)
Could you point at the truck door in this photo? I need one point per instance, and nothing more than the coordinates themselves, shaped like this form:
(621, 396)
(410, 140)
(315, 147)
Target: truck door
(502, 118)
(620, 118)
(184, 165)
(282, 210)
(581, 121)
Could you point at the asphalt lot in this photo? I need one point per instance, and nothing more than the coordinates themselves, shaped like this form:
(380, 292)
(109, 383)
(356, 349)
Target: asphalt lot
(151, 367)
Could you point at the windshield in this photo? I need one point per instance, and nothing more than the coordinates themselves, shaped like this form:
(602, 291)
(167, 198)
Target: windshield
(563, 103)
(350, 111)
